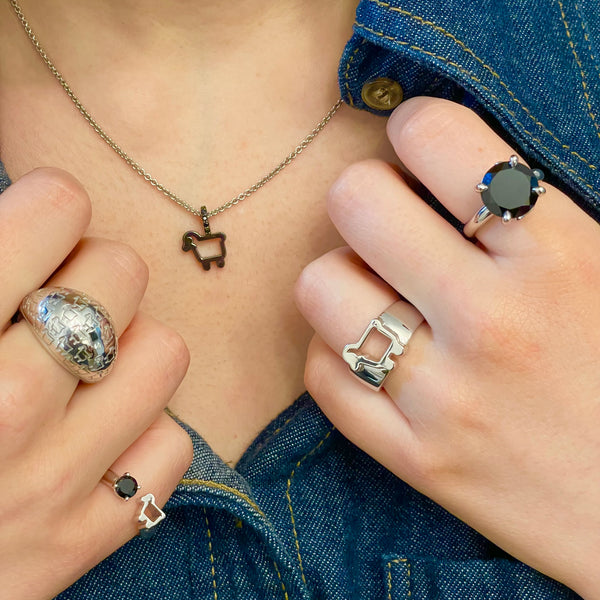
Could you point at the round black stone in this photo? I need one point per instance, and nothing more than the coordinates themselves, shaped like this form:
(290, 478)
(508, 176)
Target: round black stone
(510, 189)
(126, 486)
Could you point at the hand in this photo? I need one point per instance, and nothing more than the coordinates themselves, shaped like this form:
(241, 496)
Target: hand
(494, 410)
(58, 438)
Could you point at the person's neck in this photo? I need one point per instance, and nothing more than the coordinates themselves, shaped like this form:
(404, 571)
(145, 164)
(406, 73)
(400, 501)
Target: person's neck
(282, 44)
(152, 24)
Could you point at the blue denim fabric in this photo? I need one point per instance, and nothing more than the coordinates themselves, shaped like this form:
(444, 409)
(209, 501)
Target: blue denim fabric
(4, 180)
(532, 66)
(305, 514)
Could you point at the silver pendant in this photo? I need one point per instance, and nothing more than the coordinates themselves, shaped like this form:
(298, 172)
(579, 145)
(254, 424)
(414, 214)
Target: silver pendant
(192, 240)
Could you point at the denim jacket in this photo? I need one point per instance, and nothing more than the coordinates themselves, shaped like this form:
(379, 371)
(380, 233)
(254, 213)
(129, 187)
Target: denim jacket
(305, 515)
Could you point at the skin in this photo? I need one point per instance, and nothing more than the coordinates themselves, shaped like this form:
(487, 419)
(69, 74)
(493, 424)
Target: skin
(493, 411)
(444, 418)
(207, 138)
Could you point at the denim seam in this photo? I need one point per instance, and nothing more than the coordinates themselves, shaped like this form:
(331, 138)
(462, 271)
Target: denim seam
(462, 45)
(389, 576)
(285, 594)
(226, 488)
(346, 77)
(584, 84)
(276, 432)
(212, 557)
(587, 37)
(289, 500)
(568, 168)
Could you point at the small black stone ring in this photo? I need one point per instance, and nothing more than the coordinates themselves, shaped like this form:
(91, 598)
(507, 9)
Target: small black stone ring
(509, 190)
(125, 486)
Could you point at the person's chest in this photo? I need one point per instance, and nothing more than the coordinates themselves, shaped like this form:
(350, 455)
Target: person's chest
(246, 338)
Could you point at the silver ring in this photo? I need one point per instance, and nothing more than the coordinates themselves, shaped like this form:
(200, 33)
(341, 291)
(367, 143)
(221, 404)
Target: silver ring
(508, 190)
(125, 486)
(75, 329)
(150, 516)
(373, 372)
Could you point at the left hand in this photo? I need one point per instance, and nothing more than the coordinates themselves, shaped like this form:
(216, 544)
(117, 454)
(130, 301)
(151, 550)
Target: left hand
(494, 410)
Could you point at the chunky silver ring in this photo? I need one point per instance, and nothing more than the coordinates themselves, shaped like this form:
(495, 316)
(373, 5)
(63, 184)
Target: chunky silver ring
(75, 329)
(125, 486)
(373, 372)
(508, 190)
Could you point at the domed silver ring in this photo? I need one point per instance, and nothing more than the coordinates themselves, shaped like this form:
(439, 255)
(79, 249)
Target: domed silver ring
(76, 330)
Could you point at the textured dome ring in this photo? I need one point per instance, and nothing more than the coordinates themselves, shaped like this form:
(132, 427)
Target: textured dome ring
(75, 329)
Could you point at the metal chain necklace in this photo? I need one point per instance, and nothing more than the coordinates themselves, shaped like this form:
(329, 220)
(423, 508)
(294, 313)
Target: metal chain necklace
(192, 240)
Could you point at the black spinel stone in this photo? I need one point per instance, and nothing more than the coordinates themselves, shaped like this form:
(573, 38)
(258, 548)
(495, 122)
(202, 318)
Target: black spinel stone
(509, 189)
(126, 486)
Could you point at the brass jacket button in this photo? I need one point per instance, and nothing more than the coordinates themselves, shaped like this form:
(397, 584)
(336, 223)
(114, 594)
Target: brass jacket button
(382, 93)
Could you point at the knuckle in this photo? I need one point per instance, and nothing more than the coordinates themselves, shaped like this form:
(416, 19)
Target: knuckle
(350, 187)
(315, 378)
(18, 388)
(175, 444)
(175, 353)
(62, 190)
(128, 261)
(427, 469)
(183, 450)
(309, 285)
(421, 120)
(317, 292)
(502, 335)
(69, 540)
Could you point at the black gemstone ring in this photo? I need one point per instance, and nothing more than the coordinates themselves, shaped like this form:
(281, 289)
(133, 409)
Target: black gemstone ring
(508, 190)
(125, 486)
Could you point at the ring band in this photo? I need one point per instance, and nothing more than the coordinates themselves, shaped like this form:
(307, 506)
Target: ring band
(75, 329)
(125, 486)
(373, 372)
(508, 190)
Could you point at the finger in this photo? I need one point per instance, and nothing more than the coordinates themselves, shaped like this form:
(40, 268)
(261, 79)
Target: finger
(371, 420)
(449, 149)
(406, 242)
(339, 297)
(42, 216)
(110, 272)
(103, 419)
(100, 522)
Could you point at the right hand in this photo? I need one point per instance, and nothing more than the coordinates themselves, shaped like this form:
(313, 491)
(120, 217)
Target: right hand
(58, 437)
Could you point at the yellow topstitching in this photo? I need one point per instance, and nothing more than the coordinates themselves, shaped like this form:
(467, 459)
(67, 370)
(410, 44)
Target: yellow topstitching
(281, 581)
(586, 36)
(584, 84)
(462, 45)
(289, 499)
(389, 576)
(212, 558)
(226, 488)
(478, 81)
